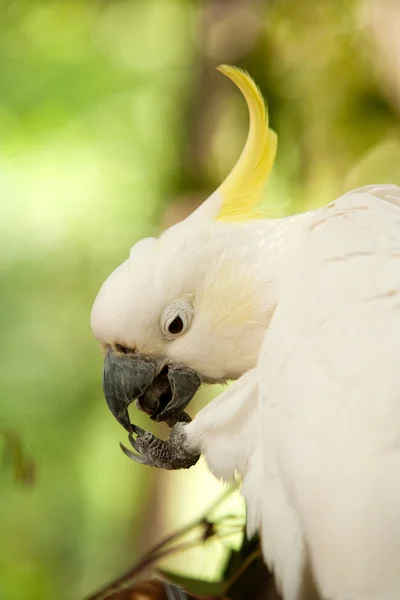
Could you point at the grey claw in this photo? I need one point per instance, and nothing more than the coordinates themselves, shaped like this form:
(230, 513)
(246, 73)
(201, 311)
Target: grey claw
(133, 443)
(137, 429)
(143, 460)
(170, 454)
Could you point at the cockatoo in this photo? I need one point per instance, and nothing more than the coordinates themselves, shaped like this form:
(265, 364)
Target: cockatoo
(303, 313)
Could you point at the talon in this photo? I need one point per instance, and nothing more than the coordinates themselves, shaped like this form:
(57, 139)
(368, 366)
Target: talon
(143, 460)
(133, 443)
(137, 429)
(170, 454)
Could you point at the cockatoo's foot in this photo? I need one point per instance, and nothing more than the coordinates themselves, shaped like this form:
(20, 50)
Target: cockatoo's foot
(170, 454)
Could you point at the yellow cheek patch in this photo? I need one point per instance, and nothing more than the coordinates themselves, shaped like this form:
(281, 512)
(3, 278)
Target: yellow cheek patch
(229, 296)
(241, 190)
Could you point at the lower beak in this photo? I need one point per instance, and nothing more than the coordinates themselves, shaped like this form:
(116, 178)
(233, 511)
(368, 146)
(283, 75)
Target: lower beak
(163, 390)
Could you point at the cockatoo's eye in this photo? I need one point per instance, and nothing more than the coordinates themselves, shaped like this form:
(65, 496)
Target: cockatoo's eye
(175, 326)
(176, 319)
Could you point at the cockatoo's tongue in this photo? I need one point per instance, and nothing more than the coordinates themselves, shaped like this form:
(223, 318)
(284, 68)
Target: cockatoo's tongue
(157, 396)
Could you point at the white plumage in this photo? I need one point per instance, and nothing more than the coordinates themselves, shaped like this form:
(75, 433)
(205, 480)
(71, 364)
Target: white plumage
(314, 430)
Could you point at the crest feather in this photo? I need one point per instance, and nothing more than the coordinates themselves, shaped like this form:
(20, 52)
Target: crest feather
(241, 190)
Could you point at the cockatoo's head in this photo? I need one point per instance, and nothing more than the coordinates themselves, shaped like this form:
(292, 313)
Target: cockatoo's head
(181, 309)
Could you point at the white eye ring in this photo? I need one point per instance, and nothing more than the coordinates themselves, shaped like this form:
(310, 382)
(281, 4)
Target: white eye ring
(176, 319)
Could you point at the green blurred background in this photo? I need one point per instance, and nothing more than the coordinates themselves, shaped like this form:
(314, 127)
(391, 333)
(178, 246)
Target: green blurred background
(113, 125)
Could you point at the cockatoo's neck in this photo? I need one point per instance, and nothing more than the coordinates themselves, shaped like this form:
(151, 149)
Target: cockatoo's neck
(280, 239)
(243, 282)
(265, 247)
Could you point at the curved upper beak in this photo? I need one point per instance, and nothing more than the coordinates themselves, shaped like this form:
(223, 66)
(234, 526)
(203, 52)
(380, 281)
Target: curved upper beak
(124, 379)
(163, 389)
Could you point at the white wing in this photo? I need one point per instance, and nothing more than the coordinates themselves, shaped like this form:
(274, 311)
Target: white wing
(390, 193)
(225, 431)
(329, 377)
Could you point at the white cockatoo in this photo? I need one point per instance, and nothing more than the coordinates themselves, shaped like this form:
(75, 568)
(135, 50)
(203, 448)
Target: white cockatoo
(304, 314)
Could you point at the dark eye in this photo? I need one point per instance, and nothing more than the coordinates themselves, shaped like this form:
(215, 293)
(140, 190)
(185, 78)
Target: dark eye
(176, 318)
(175, 326)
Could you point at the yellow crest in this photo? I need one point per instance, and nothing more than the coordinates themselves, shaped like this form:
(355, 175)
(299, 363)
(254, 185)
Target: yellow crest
(241, 190)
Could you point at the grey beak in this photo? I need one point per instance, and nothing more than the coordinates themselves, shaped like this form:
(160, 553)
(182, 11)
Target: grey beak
(170, 393)
(162, 390)
(184, 384)
(124, 379)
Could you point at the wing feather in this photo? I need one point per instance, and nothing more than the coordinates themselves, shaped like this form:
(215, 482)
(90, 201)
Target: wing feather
(330, 397)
